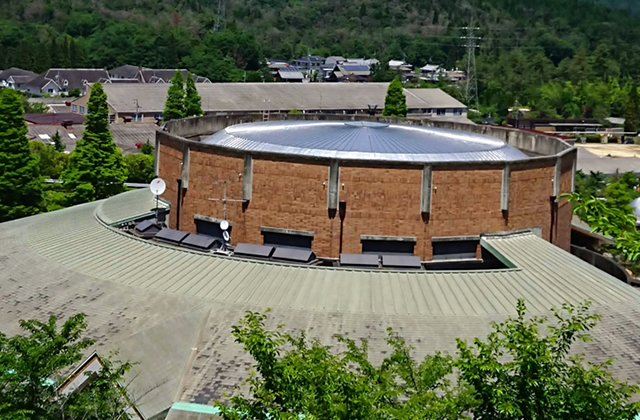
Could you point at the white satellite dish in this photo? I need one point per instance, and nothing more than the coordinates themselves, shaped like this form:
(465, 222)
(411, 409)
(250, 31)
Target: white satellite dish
(226, 236)
(157, 186)
(224, 225)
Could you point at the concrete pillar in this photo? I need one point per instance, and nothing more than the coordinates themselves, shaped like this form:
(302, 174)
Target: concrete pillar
(556, 177)
(427, 188)
(185, 166)
(333, 191)
(156, 165)
(505, 188)
(247, 178)
(574, 168)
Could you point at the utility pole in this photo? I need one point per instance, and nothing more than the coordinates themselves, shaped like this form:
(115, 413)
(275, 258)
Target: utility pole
(224, 198)
(220, 16)
(471, 89)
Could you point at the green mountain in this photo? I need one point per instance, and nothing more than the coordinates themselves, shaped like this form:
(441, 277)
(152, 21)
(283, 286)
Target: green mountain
(529, 49)
(632, 6)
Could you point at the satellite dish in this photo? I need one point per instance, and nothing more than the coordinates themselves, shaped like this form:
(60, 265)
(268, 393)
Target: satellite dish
(226, 236)
(224, 225)
(157, 186)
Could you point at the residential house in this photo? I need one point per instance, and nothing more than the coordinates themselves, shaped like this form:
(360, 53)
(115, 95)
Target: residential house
(331, 61)
(138, 102)
(400, 66)
(126, 72)
(275, 65)
(432, 73)
(309, 63)
(289, 74)
(134, 74)
(15, 78)
(349, 73)
(58, 81)
(362, 61)
(456, 76)
(63, 119)
(57, 105)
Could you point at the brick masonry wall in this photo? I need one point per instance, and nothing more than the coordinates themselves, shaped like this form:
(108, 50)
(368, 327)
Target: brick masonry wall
(380, 201)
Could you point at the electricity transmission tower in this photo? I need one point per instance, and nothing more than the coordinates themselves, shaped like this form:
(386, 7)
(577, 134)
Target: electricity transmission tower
(220, 16)
(471, 88)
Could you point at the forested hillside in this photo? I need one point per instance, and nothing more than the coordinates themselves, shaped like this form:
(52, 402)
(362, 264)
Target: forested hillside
(564, 57)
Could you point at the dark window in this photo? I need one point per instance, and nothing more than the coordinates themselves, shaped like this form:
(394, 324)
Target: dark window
(287, 238)
(457, 111)
(454, 250)
(441, 111)
(390, 245)
(210, 228)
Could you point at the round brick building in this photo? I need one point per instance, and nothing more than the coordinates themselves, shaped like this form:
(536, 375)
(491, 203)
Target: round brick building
(377, 186)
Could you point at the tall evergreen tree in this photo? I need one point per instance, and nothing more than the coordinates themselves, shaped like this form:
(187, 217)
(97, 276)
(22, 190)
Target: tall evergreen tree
(395, 103)
(20, 182)
(54, 53)
(192, 101)
(174, 107)
(57, 142)
(96, 167)
(630, 117)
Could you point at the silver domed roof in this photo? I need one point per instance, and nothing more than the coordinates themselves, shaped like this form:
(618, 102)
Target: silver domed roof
(361, 140)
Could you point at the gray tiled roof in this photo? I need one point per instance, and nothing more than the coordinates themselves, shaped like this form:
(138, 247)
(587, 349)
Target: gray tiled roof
(172, 309)
(281, 96)
(75, 78)
(125, 136)
(14, 71)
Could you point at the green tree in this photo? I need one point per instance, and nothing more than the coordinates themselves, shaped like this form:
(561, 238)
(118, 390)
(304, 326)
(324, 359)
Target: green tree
(192, 102)
(57, 142)
(20, 181)
(140, 168)
(520, 372)
(395, 103)
(296, 377)
(174, 107)
(51, 162)
(96, 167)
(31, 370)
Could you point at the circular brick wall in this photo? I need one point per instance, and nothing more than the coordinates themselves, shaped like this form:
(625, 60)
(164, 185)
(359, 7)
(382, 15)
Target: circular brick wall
(376, 199)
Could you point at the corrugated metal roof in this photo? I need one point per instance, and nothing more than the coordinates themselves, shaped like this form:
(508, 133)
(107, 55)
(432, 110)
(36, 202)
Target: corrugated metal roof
(219, 97)
(172, 309)
(362, 140)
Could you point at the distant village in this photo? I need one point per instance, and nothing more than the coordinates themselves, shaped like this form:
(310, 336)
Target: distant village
(64, 81)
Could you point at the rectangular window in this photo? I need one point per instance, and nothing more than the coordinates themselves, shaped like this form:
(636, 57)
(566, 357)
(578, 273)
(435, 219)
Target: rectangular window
(441, 111)
(380, 245)
(454, 248)
(288, 238)
(74, 108)
(457, 111)
(81, 109)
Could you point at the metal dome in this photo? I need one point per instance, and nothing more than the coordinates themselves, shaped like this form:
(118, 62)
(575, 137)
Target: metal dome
(362, 140)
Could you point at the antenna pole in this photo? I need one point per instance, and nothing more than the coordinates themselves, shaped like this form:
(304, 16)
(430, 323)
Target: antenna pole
(224, 201)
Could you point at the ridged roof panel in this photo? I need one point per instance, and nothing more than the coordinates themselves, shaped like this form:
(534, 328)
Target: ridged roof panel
(361, 140)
